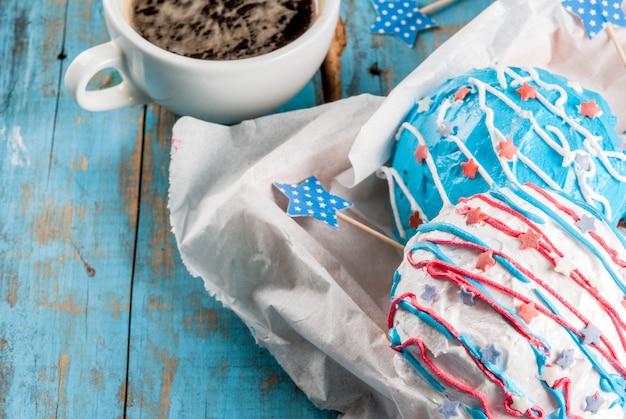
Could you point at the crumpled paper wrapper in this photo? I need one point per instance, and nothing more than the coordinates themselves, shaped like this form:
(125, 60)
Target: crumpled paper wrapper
(315, 297)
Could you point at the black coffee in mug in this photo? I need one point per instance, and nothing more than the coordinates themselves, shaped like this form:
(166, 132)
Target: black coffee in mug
(221, 29)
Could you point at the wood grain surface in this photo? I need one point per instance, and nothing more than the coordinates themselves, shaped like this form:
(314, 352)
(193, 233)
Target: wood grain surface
(98, 316)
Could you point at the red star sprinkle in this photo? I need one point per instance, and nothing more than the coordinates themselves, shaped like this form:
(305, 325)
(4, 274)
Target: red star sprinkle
(527, 312)
(527, 92)
(530, 239)
(589, 109)
(624, 303)
(421, 152)
(415, 220)
(485, 260)
(461, 93)
(469, 168)
(507, 149)
(475, 216)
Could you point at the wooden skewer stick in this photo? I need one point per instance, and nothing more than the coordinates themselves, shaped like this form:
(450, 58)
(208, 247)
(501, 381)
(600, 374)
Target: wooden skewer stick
(434, 6)
(369, 231)
(613, 38)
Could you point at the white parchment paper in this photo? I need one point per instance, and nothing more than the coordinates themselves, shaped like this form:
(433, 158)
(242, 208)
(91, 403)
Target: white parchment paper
(315, 297)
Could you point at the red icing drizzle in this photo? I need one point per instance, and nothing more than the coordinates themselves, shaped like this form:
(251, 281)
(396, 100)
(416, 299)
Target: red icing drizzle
(441, 270)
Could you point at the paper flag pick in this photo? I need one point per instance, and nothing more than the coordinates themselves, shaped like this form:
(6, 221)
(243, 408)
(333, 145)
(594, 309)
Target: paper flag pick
(597, 15)
(310, 199)
(400, 18)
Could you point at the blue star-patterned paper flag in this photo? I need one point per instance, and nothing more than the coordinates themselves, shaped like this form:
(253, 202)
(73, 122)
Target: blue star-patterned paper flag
(400, 18)
(310, 199)
(595, 14)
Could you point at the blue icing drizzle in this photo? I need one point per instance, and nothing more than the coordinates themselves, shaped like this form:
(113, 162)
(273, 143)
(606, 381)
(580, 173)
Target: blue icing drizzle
(475, 413)
(496, 193)
(394, 336)
(618, 233)
(396, 281)
(572, 231)
(471, 130)
(561, 412)
(608, 382)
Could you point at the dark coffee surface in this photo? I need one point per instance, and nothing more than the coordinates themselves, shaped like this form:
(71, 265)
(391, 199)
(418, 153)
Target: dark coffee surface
(221, 29)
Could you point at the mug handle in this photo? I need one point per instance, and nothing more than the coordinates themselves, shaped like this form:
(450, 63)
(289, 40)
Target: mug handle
(86, 65)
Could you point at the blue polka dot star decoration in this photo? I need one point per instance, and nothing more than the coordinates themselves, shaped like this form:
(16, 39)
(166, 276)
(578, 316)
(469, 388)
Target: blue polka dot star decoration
(595, 14)
(400, 18)
(310, 199)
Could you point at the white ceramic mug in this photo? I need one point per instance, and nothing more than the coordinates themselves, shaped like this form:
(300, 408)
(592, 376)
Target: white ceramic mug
(217, 91)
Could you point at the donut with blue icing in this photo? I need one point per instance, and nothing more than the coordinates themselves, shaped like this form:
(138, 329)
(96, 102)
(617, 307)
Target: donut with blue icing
(496, 126)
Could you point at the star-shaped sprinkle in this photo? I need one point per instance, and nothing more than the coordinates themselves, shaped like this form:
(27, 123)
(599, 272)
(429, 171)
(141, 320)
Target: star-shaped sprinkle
(527, 312)
(415, 220)
(475, 216)
(624, 303)
(430, 294)
(589, 109)
(593, 402)
(490, 354)
(424, 104)
(445, 128)
(469, 168)
(566, 359)
(530, 239)
(462, 93)
(582, 162)
(586, 224)
(449, 409)
(485, 260)
(421, 153)
(466, 296)
(400, 18)
(591, 334)
(507, 149)
(521, 403)
(527, 92)
(551, 375)
(310, 199)
(595, 14)
(564, 266)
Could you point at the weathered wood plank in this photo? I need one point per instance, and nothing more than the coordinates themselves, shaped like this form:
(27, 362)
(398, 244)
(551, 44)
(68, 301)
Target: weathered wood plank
(68, 185)
(189, 356)
(377, 63)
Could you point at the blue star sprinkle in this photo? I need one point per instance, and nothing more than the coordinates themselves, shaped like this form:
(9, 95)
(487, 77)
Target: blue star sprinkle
(445, 129)
(591, 334)
(466, 296)
(595, 14)
(582, 162)
(400, 18)
(566, 359)
(310, 199)
(449, 409)
(593, 402)
(490, 354)
(430, 294)
(586, 224)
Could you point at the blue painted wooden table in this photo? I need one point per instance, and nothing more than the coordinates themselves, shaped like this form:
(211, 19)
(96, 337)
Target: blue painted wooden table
(98, 316)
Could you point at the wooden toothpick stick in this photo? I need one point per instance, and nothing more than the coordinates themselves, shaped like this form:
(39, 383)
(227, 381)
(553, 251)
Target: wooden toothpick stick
(434, 6)
(370, 231)
(618, 47)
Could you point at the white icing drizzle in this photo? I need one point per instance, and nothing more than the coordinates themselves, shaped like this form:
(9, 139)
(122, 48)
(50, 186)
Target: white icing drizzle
(494, 133)
(469, 156)
(430, 162)
(393, 177)
(551, 135)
